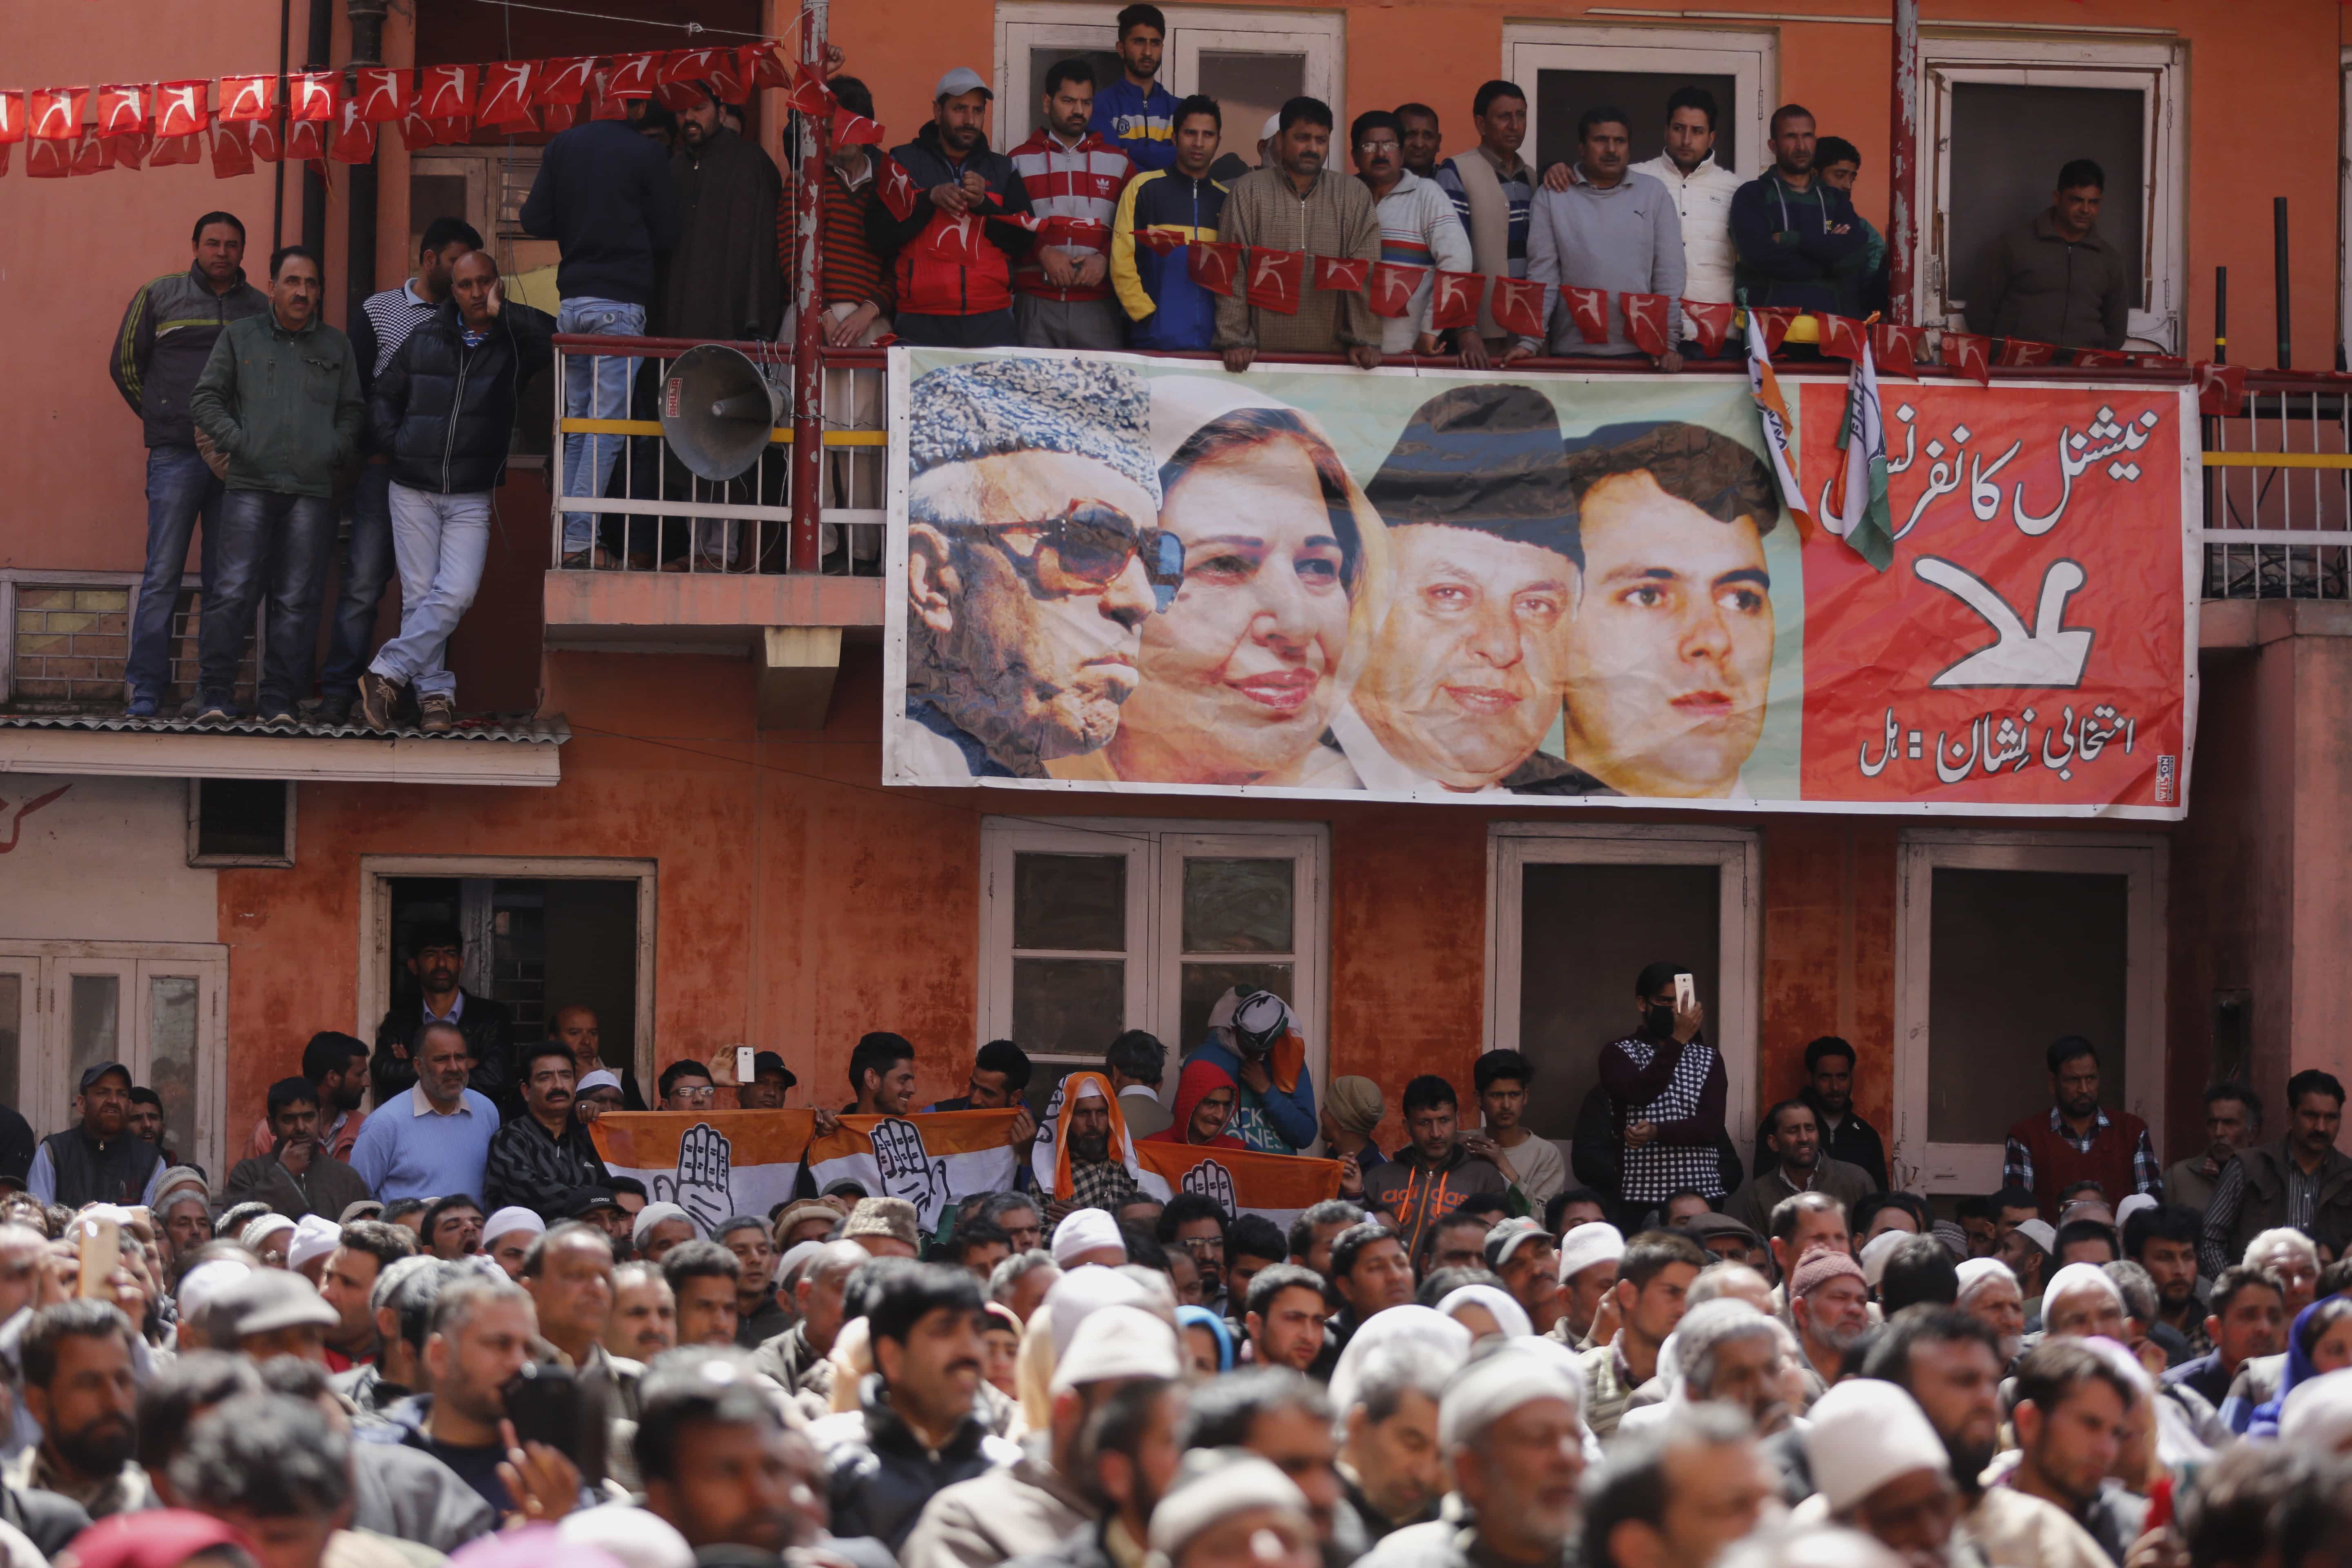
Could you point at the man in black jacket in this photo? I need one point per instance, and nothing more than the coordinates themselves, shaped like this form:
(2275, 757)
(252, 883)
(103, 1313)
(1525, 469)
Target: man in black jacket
(437, 956)
(444, 409)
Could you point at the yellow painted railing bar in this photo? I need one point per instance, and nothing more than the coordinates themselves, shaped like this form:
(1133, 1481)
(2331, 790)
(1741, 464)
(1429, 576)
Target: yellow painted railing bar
(2278, 459)
(778, 436)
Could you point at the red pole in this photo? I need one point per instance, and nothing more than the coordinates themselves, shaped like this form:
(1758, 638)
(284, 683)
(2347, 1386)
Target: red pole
(1902, 168)
(808, 336)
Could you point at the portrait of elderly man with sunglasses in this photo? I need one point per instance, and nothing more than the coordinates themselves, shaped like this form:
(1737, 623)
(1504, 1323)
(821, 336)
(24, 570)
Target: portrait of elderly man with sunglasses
(1033, 556)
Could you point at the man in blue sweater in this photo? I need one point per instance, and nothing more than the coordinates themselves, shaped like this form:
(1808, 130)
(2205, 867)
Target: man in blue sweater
(1169, 209)
(605, 195)
(1796, 236)
(1136, 112)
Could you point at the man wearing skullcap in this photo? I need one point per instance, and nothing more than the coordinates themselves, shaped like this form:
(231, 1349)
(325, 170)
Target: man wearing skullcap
(1229, 1506)
(1588, 1273)
(1882, 1469)
(1829, 1301)
(1032, 556)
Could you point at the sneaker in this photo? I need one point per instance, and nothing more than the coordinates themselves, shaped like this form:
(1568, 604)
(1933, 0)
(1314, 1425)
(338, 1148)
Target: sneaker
(376, 693)
(144, 706)
(216, 710)
(440, 713)
(333, 711)
(279, 714)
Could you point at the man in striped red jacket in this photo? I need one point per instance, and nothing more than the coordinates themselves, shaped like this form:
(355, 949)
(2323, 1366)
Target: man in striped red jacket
(1062, 296)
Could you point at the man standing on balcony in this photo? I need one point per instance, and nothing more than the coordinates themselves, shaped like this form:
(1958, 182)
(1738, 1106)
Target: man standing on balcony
(1492, 187)
(1418, 226)
(1612, 229)
(1297, 203)
(722, 280)
(436, 959)
(1170, 208)
(278, 412)
(954, 272)
(604, 194)
(1135, 113)
(167, 335)
(1062, 297)
(1702, 190)
(445, 411)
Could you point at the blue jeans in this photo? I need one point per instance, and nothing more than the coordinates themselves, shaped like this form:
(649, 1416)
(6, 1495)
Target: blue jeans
(269, 544)
(441, 541)
(367, 567)
(180, 488)
(595, 387)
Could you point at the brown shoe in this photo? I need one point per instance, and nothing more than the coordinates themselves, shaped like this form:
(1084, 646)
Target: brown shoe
(440, 713)
(376, 695)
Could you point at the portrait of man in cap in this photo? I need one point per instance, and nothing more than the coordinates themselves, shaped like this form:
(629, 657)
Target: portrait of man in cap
(1033, 557)
(1465, 673)
(1669, 646)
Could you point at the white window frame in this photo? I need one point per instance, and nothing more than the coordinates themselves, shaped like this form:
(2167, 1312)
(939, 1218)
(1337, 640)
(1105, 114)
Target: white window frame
(1750, 58)
(1320, 35)
(44, 1048)
(1155, 849)
(375, 933)
(2344, 196)
(2143, 860)
(1736, 994)
(2157, 70)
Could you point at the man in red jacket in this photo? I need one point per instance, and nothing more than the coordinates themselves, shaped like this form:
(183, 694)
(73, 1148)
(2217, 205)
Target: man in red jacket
(954, 272)
(2078, 1142)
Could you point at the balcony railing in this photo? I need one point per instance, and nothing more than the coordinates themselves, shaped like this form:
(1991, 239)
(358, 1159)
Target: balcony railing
(2278, 491)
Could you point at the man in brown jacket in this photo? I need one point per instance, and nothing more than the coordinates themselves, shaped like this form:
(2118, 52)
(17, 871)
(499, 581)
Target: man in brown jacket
(1297, 204)
(2058, 279)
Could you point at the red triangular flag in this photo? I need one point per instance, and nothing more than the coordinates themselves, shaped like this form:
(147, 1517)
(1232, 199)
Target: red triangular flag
(690, 65)
(312, 95)
(1895, 349)
(728, 78)
(2221, 388)
(12, 118)
(1776, 321)
(2024, 354)
(1274, 278)
(1159, 241)
(179, 107)
(55, 112)
(854, 130)
(171, 149)
(246, 98)
(1454, 301)
(1970, 354)
(122, 110)
(306, 141)
(127, 152)
(231, 152)
(1341, 274)
(1589, 309)
(896, 187)
(1841, 335)
(49, 159)
(381, 94)
(563, 81)
(446, 92)
(634, 75)
(1214, 264)
(2159, 361)
(765, 64)
(504, 97)
(810, 96)
(1649, 320)
(91, 156)
(1710, 322)
(261, 135)
(1517, 306)
(417, 132)
(555, 117)
(1391, 287)
(2097, 358)
(354, 138)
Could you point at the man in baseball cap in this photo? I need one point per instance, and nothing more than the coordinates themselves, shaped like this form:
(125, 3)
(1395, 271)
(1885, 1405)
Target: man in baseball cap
(953, 268)
(1521, 1253)
(271, 1312)
(99, 1160)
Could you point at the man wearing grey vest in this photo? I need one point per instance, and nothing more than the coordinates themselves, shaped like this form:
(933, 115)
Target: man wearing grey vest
(100, 1160)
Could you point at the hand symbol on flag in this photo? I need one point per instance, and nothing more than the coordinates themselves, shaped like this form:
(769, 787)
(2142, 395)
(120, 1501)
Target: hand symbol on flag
(907, 1170)
(704, 1185)
(1211, 1179)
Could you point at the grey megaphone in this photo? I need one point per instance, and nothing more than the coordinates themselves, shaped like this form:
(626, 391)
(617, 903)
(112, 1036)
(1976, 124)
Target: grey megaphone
(718, 411)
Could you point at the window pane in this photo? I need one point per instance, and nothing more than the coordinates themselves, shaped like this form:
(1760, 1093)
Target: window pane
(1250, 85)
(1075, 1005)
(12, 1034)
(172, 1058)
(1237, 906)
(94, 1029)
(1075, 902)
(1205, 983)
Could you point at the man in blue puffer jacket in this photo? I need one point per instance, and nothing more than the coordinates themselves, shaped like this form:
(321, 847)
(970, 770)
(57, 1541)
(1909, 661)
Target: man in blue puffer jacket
(1254, 1036)
(1160, 214)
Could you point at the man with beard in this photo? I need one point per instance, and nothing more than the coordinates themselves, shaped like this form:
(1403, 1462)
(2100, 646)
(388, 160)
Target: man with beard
(1285, 1420)
(2079, 1141)
(99, 1160)
(437, 959)
(1434, 1172)
(1829, 1303)
(1794, 1135)
(2073, 1414)
(1670, 645)
(482, 1332)
(717, 1464)
(954, 287)
(337, 1067)
(1731, 1354)
(1391, 1470)
(183, 1215)
(297, 1177)
(817, 1297)
(538, 1159)
(2234, 1123)
(1127, 1457)
(2163, 1240)
(1062, 294)
(1284, 1310)
(1794, 232)
(1099, 1177)
(1883, 1470)
(2302, 1181)
(1948, 1362)
(1465, 674)
(1299, 204)
(722, 282)
(79, 1389)
(1828, 1090)
(1034, 553)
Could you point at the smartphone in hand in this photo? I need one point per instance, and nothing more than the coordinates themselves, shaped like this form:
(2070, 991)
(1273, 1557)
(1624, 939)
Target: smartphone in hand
(102, 1254)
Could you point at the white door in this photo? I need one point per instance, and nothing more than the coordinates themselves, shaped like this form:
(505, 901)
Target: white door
(1567, 68)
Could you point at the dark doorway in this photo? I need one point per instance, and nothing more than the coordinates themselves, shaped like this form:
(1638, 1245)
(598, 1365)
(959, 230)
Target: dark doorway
(2008, 145)
(533, 945)
(1562, 97)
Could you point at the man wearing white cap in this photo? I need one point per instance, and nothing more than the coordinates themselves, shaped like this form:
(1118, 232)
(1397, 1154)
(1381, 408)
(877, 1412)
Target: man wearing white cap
(538, 1159)
(1881, 1470)
(1120, 1355)
(658, 1228)
(1088, 1235)
(2026, 1249)
(297, 1177)
(1587, 1276)
(2082, 1302)
(315, 1240)
(1229, 1507)
(507, 1236)
(1989, 1293)
(184, 1217)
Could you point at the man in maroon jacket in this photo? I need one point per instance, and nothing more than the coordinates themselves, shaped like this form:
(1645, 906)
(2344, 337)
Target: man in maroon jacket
(2078, 1142)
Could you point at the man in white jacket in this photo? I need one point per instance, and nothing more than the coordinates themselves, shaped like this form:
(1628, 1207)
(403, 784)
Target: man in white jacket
(1702, 189)
(1419, 227)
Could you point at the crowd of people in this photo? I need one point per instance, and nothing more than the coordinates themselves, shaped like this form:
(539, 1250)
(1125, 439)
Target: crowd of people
(441, 1326)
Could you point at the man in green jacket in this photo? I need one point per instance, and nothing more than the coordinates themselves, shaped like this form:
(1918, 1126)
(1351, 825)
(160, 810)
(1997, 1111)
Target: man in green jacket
(278, 411)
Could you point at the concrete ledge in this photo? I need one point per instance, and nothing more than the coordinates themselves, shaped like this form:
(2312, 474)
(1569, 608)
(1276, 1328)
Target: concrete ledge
(681, 610)
(248, 756)
(2251, 623)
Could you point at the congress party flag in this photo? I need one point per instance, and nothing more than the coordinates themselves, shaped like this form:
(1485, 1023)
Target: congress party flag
(1853, 504)
(1773, 410)
(930, 1160)
(1277, 1187)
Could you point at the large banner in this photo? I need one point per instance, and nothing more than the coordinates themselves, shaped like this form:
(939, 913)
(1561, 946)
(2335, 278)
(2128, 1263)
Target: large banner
(1112, 573)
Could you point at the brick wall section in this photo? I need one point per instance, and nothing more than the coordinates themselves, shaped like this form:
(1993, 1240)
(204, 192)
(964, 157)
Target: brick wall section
(71, 641)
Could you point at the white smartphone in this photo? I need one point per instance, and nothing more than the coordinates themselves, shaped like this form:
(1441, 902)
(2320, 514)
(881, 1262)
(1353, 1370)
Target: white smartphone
(101, 1253)
(745, 1071)
(1686, 992)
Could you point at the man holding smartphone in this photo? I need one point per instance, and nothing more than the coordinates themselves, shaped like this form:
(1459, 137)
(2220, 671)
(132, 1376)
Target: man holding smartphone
(1666, 1090)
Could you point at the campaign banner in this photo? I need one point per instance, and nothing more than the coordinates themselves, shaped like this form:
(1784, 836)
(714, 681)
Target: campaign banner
(721, 1164)
(1277, 1187)
(1115, 573)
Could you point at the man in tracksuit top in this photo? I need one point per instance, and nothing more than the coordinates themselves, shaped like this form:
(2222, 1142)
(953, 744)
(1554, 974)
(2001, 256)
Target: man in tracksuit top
(1795, 236)
(1135, 111)
(1061, 290)
(1170, 208)
(954, 252)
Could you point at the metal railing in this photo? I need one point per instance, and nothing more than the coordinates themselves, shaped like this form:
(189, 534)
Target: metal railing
(624, 502)
(2278, 491)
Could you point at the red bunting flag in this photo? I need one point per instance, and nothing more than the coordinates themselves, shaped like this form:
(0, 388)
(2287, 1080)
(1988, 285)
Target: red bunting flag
(55, 112)
(561, 80)
(312, 95)
(232, 153)
(417, 132)
(246, 98)
(765, 64)
(555, 117)
(1455, 300)
(1159, 241)
(1214, 264)
(2024, 354)
(1710, 322)
(728, 78)
(810, 96)
(261, 135)
(896, 187)
(179, 107)
(1970, 354)
(446, 92)
(854, 130)
(1776, 322)
(1517, 306)
(127, 152)
(504, 98)
(2159, 361)
(12, 118)
(1589, 309)
(381, 94)
(610, 105)
(1341, 274)
(1276, 277)
(690, 65)
(1842, 336)
(634, 76)
(1895, 349)
(1393, 284)
(90, 155)
(2093, 359)
(306, 141)
(171, 150)
(2221, 388)
(49, 159)
(122, 110)
(1649, 320)
(354, 138)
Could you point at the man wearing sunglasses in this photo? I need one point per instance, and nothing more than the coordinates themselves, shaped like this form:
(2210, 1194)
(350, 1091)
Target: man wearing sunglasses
(1033, 557)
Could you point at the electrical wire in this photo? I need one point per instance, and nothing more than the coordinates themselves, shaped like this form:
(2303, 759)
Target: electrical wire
(690, 29)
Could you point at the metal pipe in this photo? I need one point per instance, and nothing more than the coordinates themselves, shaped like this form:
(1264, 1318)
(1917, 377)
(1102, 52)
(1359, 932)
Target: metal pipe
(2278, 254)
(316, 56)
(808, 336)
(278, 175)
(359, 234)
(2221, 315)
(1902, 222)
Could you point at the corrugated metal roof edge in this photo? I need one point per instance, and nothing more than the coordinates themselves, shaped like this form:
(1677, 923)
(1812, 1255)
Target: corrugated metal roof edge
(520, 728)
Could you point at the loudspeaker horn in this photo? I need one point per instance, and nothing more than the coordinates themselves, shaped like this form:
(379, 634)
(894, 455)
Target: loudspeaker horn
(718, 410)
